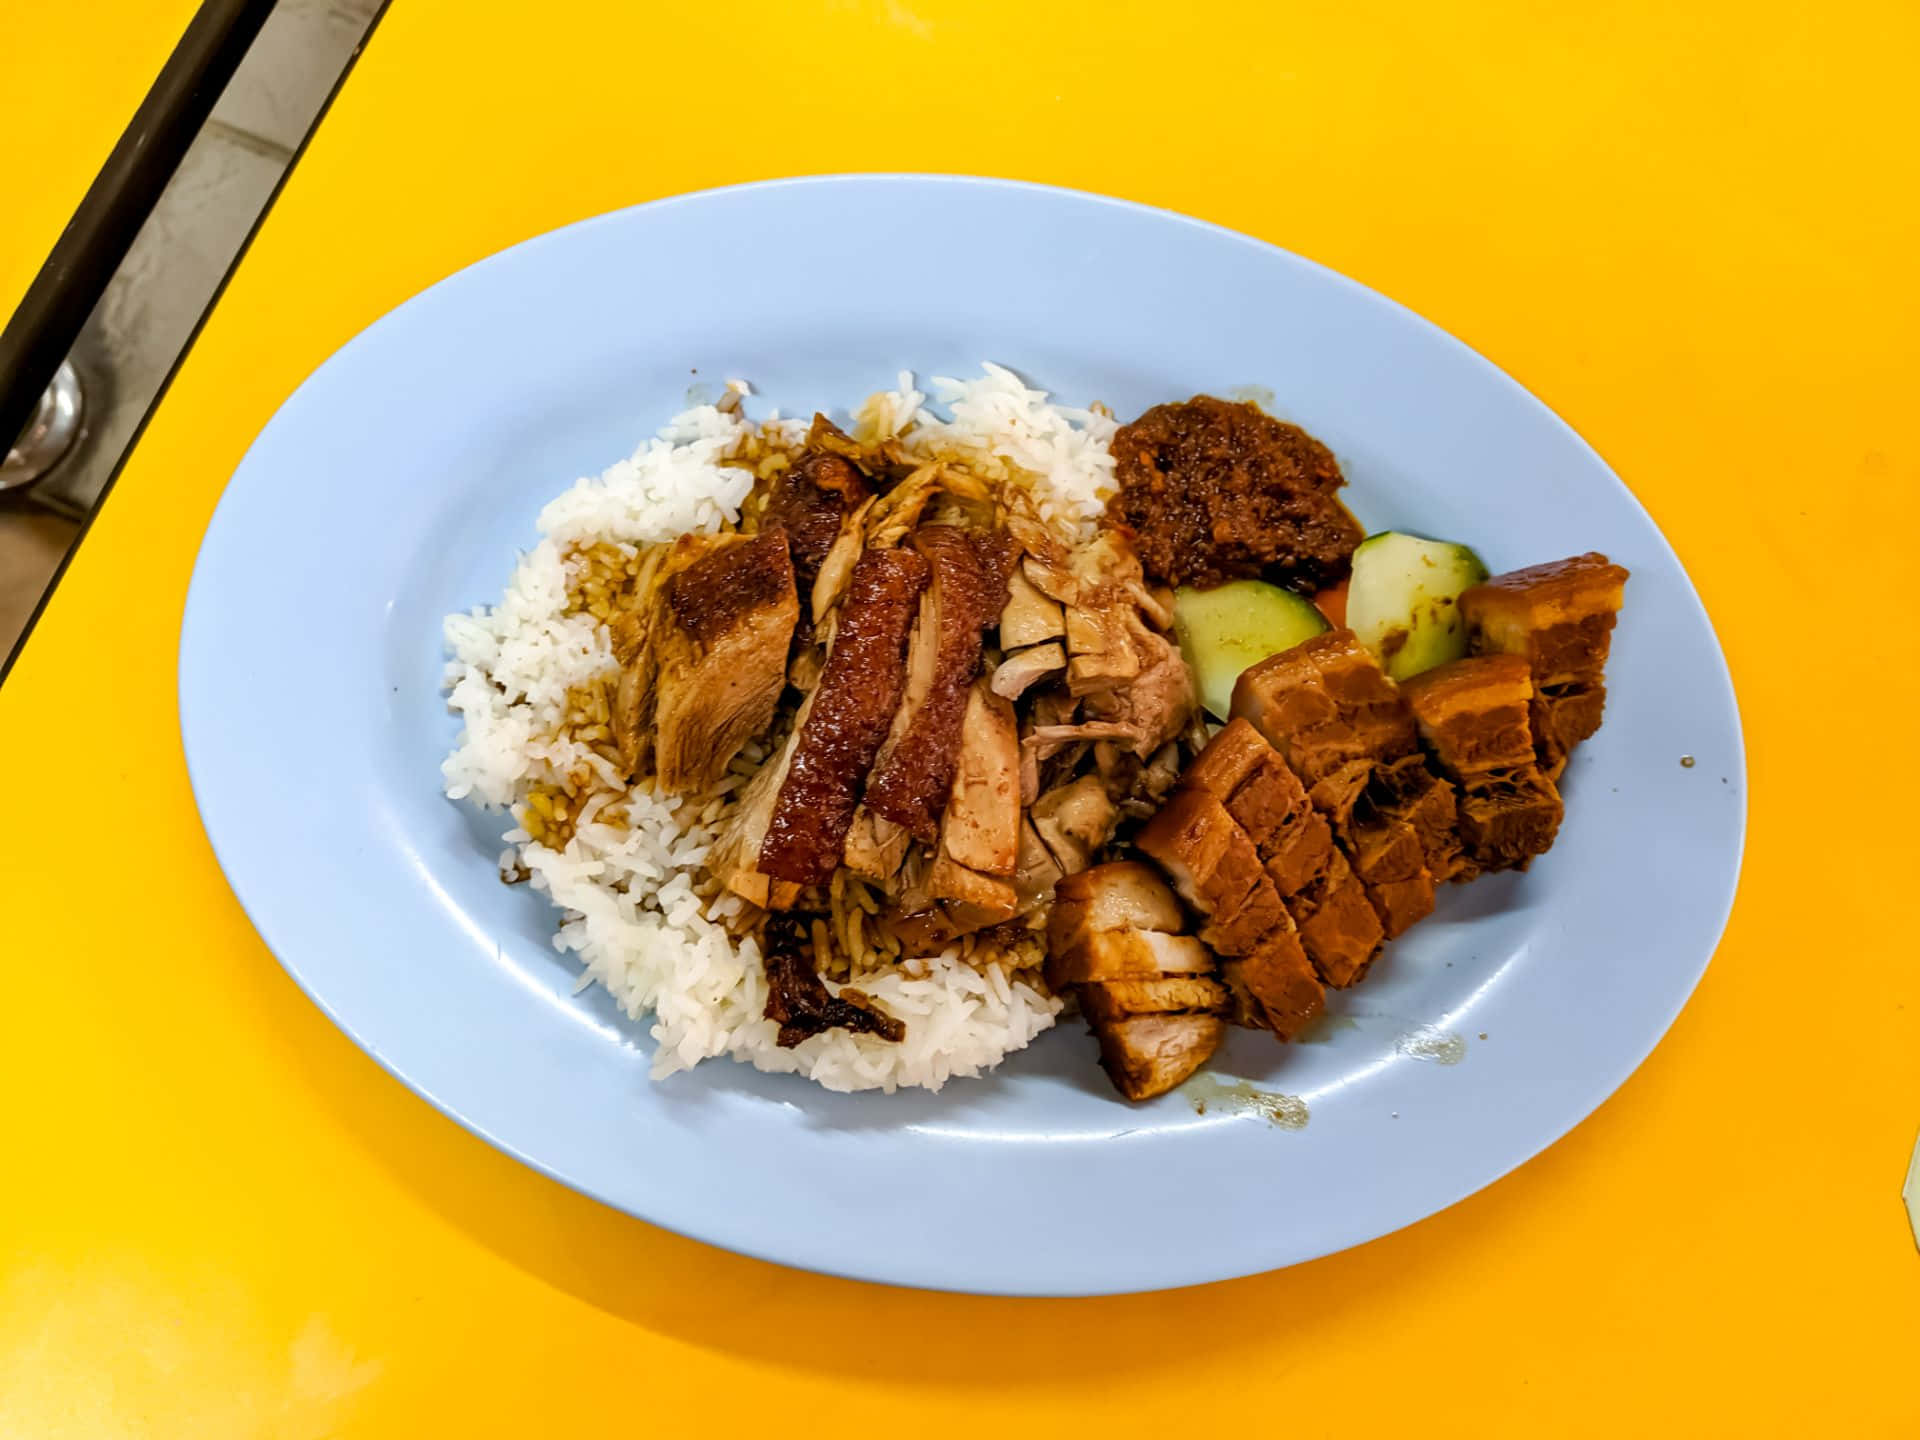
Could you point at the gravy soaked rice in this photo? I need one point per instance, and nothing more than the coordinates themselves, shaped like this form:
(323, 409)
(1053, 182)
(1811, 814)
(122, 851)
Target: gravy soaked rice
(530, 679)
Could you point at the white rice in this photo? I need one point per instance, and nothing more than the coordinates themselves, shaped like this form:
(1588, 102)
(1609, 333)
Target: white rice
(627, 892)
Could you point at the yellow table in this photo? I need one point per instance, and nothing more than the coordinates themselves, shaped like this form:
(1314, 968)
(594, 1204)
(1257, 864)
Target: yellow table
(1691, 229)
(71, 76)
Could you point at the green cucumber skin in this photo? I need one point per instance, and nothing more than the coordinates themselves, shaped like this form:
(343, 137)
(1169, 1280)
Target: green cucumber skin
(1403, 600)
(1233, 626)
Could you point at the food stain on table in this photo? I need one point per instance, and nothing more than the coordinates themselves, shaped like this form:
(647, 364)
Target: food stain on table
(1215, 1093)
(1428, 1042)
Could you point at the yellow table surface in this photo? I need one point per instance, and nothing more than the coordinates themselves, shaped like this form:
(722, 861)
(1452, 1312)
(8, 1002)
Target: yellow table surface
(72, 73)
(1690, 229)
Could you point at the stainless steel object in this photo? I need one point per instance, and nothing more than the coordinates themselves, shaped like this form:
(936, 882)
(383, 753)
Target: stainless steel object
(49, 435)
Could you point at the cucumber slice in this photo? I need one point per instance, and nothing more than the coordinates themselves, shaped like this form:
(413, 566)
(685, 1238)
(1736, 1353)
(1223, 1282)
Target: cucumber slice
(1230, 627)
(1403, 600)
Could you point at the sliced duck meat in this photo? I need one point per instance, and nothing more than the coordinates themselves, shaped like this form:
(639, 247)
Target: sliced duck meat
(809, 501)
(849, 717)
(1102, 615)
(1075, 821)
(1148, 1055)
(1157, 704)
(735, 856)
(1023, 669)
(1216, 870)
(1030, 617)
(913, 778)
(1559, 618)
(798, 999)
(874, 847)
(1275, 988)
(1036, 873)
(981, 826)
(1116, 1000)
(1474, 717)
(720, 655)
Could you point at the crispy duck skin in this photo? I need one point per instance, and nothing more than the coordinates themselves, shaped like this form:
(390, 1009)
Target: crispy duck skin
(809, 501)
(720, 654)
(1559, 618)
(1474, 718)
(851, 711)
(1215, 868)
(799, 1001)
(966, 592)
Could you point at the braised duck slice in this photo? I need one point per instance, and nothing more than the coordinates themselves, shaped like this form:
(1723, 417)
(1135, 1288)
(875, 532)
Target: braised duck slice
(851, 711)
(913, 778)
(1147, 1055)
(798, 999)
(1156, 705)
(1559, 618)
(1214, 866)
(720, 654)
(1075, 821)
(1030, 617)
(1275, 987)
(981, 826)
(809, 501)
(1474, 717)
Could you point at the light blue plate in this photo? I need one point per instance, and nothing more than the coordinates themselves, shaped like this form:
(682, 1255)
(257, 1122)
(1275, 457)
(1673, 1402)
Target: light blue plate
(396, 484)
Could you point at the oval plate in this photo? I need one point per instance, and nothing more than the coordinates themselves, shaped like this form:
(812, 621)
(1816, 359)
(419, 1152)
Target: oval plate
(396, 484)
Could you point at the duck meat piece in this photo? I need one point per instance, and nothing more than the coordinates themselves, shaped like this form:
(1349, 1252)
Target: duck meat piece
(1120, 895)
(850, 713)
(1023, 669)
(1219, 490)
(1275, 988)
(1036, 873)
(1102, 575)
(913, 778)
(798, 999)
(981, 826)
(875, 848)
(1216, 870)
(1474, 717)
(810, 500)
(1155, 706)
(977, 898)
(735, 856)
(1106, 1002)
(1559, 618)
(1075, 821)
(1147, 1055)
(836, 569)
(720, 655)
(1029, 617)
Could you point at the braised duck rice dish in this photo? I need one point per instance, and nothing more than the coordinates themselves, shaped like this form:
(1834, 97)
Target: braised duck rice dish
(867, 750)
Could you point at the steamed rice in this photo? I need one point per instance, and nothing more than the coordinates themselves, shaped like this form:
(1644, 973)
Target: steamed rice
(625, 866)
